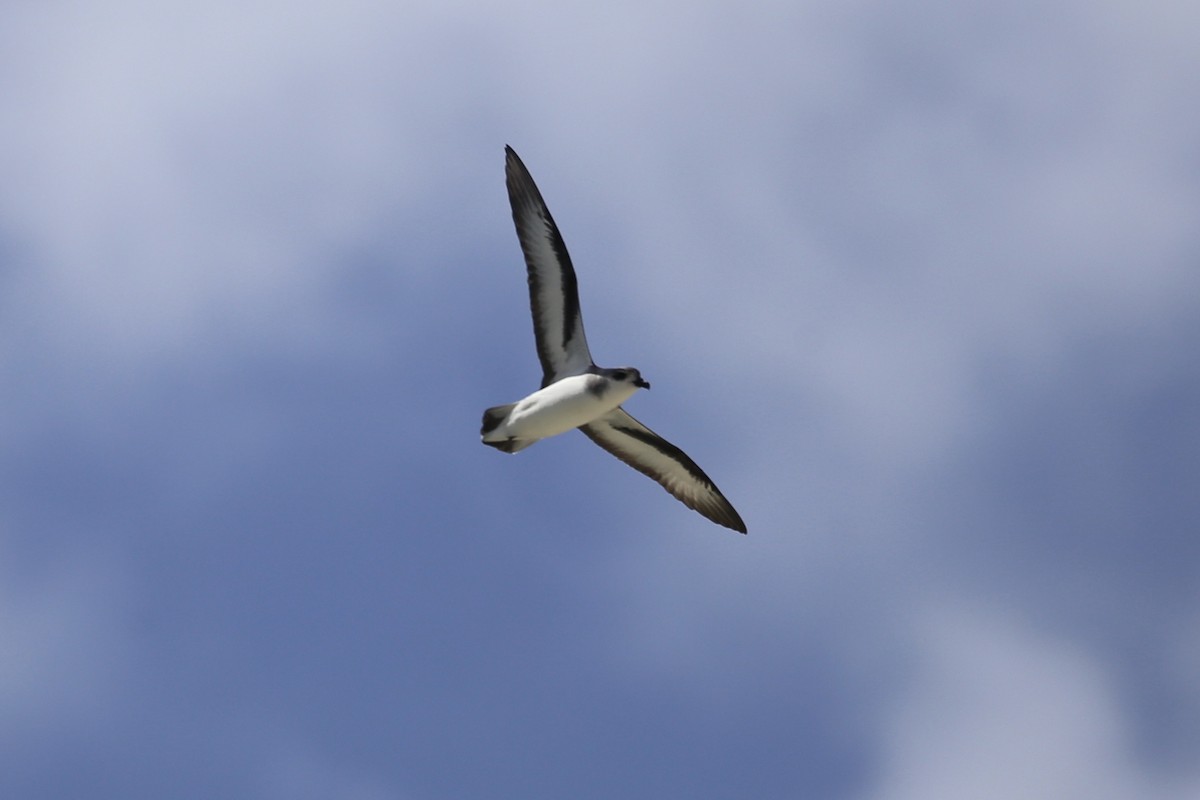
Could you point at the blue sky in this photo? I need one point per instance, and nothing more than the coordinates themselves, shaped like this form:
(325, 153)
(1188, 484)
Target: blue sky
(917, 285)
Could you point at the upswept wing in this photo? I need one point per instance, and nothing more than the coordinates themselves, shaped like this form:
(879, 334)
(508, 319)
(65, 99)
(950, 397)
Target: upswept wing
(553, 292)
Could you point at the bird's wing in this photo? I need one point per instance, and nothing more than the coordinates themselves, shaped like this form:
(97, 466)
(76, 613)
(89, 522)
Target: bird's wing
(650, 454)
(553, 294)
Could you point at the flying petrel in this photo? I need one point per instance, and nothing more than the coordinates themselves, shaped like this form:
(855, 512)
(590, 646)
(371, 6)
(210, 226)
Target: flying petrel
(575, 393)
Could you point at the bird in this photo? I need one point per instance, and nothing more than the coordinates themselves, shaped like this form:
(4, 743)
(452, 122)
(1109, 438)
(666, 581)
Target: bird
(575, 393)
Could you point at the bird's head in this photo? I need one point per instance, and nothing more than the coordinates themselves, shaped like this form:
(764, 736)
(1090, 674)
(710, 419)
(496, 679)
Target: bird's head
(628, 375)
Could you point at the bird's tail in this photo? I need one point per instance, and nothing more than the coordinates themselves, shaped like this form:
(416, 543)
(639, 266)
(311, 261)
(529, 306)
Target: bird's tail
(493, 418)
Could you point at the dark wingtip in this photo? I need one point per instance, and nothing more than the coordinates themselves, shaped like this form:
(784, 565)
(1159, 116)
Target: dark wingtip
(728, 517)
(518, 179)
(724, 514)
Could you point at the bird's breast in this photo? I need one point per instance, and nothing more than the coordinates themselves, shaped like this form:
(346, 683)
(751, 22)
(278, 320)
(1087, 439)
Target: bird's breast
(566, 404)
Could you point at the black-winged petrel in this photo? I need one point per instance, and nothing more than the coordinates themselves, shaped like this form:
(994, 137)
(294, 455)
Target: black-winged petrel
(575, 393)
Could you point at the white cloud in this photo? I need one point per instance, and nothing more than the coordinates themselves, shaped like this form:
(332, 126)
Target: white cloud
(996, 710)
(178, 173)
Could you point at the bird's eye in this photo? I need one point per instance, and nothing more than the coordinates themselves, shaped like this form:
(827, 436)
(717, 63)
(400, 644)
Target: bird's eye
(619, 375)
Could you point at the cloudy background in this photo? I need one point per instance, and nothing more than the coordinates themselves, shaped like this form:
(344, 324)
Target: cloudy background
(917, 284)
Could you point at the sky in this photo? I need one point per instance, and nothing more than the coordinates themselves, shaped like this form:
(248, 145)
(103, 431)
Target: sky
(917, 285)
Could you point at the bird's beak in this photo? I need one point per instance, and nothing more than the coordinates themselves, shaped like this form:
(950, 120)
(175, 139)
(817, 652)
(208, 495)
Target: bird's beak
(641, 383)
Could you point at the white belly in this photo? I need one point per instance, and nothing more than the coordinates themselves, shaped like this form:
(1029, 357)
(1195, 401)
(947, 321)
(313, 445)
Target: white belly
(563, 405)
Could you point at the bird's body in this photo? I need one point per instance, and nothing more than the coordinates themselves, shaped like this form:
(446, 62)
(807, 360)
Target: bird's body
(563, 405)
(575, 393)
